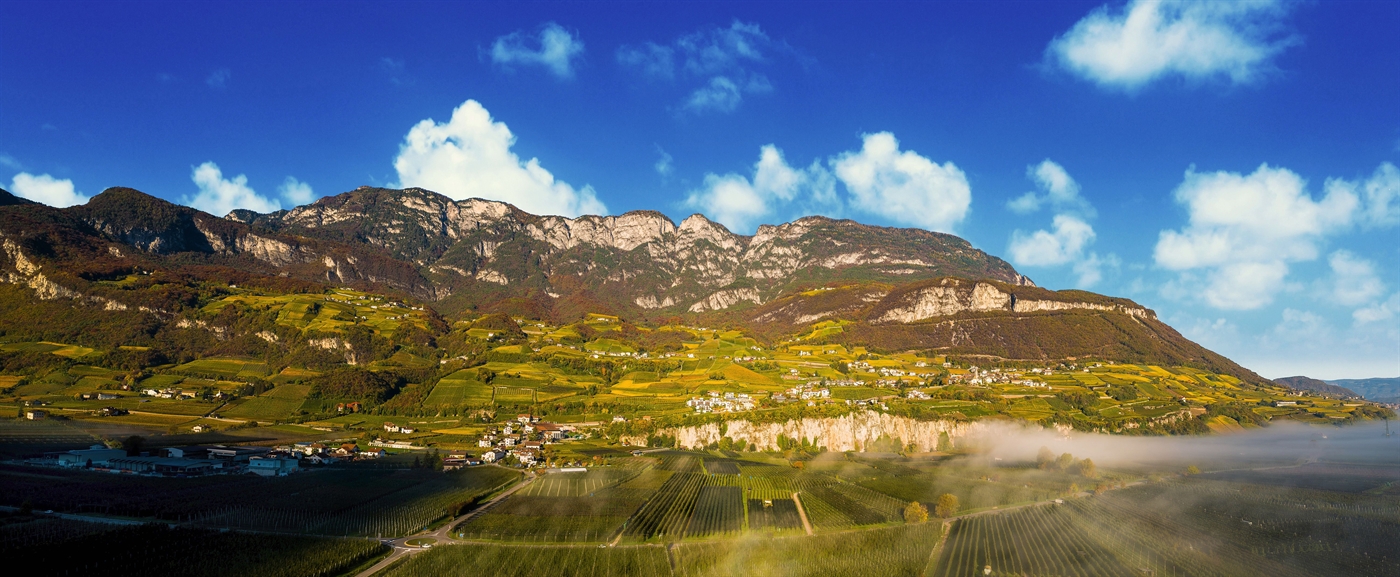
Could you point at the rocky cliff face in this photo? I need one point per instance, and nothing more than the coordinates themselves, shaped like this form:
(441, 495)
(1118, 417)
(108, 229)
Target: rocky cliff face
(951, 296)
(638, 260)
(852, 432)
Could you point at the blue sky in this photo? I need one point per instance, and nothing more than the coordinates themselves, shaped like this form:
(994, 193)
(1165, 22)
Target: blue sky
(1231, 165)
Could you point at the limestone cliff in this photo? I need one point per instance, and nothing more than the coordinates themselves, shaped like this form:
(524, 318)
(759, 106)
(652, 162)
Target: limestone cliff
(852, 432)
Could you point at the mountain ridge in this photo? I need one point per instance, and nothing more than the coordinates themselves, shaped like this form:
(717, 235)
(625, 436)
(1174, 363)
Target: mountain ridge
(896, 288)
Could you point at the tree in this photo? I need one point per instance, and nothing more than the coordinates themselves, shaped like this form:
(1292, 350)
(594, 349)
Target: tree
(945, 443)
(915, 513)
(133, 445)
(1064, 462)
(1088, 469)
(1044, 458)
(947, 505)
(1193, 470)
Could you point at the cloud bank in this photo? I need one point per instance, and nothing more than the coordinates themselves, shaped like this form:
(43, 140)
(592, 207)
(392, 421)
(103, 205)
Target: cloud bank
(469, 156)
(1151, 39)
(1243, 231)
(901, 186)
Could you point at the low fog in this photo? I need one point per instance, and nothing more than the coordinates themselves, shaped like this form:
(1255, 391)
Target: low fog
(1282, 443)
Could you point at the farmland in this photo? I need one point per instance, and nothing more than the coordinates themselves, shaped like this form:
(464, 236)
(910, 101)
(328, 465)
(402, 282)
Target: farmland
(726, 502)
(70, 547)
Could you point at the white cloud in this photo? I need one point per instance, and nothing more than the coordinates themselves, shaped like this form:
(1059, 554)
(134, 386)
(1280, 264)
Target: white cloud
(1045, 248)
(1071, 234)
(740, 203)
(557, 49)
(8, 161)
(219, 78)
(469, 156)
(219, 196)
(1380, 195)
(43, 188)
(296, 192)
(723, 59)
(1245, 229)
(1195, 39)
(1381, 311)
(903, 186)
(1354, 279)
(1060, 191)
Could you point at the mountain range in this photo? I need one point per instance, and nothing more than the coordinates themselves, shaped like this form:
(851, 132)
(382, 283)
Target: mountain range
(887, 288)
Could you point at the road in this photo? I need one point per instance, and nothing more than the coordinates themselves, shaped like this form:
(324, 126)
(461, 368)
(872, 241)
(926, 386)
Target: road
(802, 512)
(443, 535)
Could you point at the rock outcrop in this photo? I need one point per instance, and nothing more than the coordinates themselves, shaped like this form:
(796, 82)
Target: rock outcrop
(851, 432)
(951, 296)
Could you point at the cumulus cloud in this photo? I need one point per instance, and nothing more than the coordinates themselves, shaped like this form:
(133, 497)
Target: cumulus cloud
(218, 78)
(903, 186)
(1049, 248)
(1057, 189)
(1244, 230)
(219, 196)
(469, 156)
(740, 203)
(1070, 233)
(553, 48)
(296, 192)
(1195, 39)
(46, 189)
(724, 60)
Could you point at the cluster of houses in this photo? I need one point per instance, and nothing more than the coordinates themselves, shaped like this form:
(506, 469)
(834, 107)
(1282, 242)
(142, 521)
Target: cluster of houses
(976, 376)
(167, 393)
(715, 403)
(392, 428)
(524, 438)
(807, 392)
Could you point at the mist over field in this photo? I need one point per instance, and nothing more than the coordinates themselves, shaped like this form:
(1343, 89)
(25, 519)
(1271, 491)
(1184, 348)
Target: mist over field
(1282, 442)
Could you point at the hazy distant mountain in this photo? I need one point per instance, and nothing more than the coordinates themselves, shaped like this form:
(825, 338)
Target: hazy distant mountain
(1380, 390)
(895, 288)
(1317, 386)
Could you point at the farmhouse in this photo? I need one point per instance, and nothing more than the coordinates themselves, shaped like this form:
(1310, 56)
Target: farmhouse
(35, 415)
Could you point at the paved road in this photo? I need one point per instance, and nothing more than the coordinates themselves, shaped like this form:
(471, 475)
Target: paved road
(443, 535)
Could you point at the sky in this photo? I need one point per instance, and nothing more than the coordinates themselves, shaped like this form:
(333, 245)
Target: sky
(1231, 165)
